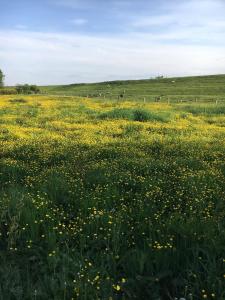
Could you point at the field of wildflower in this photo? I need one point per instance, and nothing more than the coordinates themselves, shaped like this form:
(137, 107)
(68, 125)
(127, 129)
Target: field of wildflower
(111, 199)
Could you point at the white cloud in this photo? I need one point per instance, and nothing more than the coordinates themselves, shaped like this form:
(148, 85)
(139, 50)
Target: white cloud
(193, 20)
(79, 22)
(179, 38)
(50, 58)
(160, 20)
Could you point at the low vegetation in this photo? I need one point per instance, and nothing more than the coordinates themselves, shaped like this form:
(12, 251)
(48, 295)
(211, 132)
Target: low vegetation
(111, 199)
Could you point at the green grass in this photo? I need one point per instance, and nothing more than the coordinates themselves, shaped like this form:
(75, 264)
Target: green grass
(202, 88)
(107, 199)
(140, 115)
(205, 109)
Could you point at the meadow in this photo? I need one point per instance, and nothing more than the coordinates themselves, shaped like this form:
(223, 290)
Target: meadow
(194, 88)
(111, 199)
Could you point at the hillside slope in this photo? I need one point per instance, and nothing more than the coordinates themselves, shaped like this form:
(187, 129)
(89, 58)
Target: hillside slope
(184, 88)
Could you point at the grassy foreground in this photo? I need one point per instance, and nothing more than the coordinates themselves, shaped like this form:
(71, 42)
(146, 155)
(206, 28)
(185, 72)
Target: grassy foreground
(111, 199)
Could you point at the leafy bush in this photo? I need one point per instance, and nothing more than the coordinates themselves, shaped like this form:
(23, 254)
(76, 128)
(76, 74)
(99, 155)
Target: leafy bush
(8, 91)
(27, 89)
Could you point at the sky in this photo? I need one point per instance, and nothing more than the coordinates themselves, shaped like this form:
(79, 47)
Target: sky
(71, 41)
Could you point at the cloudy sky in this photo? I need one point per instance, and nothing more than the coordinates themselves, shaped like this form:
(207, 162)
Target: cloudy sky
(70, 41)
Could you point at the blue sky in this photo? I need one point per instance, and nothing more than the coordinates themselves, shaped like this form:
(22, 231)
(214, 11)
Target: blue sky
(68, 41)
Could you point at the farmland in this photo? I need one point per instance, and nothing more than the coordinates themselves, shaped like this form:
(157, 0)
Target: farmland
(202, 88)
(106, 198)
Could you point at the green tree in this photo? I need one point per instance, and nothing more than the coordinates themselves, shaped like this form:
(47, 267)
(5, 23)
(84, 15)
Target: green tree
(1, 78)
(27, 89)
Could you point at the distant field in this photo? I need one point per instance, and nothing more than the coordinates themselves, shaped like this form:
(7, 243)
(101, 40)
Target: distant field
(205, 88)
(107, 199)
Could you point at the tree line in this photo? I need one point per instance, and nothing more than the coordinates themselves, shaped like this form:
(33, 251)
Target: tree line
(19, 88)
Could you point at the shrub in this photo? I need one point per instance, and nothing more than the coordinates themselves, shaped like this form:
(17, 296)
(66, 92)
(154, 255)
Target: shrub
(27, 89)
(8, 91)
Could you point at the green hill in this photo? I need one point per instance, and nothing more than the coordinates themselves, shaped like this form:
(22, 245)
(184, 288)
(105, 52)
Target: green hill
(181, 88)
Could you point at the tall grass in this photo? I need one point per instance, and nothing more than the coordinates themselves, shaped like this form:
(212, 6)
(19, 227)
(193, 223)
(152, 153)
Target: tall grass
(204, 109)
(140, 115)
